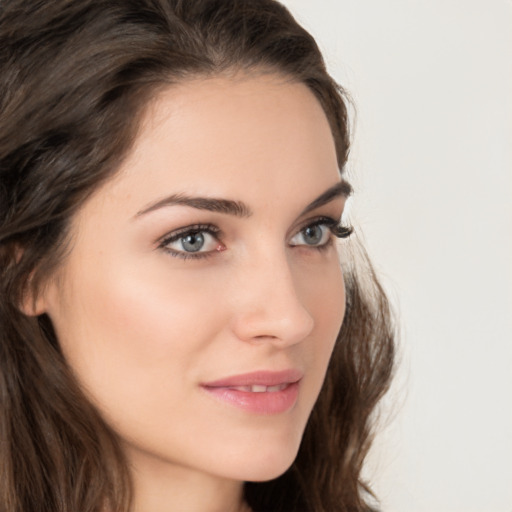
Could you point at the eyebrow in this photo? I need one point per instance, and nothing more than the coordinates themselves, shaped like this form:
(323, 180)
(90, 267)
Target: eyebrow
(238, 208)
(211, 204)
(340, 189)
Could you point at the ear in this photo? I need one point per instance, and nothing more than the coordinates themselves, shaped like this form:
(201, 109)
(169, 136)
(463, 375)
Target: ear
(34, 295)
(35, 298)
(33, 305)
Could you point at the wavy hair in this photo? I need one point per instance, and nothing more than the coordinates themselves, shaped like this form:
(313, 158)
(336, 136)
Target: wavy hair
(75, 78)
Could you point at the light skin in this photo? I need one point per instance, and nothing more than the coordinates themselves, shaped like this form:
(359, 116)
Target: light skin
(145, 317)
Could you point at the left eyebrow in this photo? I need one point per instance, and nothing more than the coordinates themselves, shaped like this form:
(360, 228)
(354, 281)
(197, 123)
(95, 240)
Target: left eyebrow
(340, 189)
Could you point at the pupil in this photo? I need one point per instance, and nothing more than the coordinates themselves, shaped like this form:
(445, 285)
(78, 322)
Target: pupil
(193, 242)
(313, 235)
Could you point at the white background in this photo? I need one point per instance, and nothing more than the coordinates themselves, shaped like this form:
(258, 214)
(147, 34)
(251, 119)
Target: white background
(432, 168)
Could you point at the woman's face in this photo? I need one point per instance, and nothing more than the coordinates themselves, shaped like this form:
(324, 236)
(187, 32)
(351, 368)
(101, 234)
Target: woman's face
(202, 294)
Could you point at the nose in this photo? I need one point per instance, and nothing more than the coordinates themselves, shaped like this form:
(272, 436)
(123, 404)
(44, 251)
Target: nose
(267, 306)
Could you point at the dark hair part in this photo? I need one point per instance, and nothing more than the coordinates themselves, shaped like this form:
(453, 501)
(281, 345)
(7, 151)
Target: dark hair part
(75, 77)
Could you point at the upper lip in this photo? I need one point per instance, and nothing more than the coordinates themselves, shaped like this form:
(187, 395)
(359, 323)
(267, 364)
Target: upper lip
(258, 378)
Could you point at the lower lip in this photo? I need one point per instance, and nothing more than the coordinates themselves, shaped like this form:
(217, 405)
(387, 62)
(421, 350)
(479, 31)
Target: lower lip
(267, 402)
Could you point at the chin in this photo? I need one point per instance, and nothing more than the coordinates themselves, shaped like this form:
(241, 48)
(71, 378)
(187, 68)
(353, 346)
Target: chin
(268, 474)
(264, 452)
(268, 465)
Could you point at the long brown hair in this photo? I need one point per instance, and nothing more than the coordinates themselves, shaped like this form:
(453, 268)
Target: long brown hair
(75, 77)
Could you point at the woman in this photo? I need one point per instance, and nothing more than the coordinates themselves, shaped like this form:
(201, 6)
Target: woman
(176, 329)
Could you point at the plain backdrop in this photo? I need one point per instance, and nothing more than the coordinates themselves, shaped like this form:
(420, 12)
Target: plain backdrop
(432, 168)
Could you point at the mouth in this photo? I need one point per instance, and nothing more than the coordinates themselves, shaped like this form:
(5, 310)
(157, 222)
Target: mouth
(257, 388)
(261, 392)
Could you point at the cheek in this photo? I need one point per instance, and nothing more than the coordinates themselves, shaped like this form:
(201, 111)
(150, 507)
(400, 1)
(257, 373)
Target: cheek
(129, 333)
(324, 297)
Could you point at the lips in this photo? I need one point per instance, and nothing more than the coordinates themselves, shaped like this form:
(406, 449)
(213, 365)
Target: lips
(261, 392)
(259, 378)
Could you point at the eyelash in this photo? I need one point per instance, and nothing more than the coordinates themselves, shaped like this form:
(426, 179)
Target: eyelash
(182, 233)
(335, 227)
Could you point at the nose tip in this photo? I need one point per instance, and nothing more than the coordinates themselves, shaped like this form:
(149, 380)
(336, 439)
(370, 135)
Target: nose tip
(271, 309)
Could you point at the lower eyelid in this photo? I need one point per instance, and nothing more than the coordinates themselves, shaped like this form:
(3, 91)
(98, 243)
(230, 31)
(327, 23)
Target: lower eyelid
(189, 255)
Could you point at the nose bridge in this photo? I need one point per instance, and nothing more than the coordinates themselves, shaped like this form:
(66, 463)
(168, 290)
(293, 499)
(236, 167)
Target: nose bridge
(269, 305)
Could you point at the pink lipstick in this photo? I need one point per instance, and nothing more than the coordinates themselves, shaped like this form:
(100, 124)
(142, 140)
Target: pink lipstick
(261, 392)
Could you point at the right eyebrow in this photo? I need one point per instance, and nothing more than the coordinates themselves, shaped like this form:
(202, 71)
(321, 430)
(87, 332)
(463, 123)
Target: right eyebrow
(227, 206)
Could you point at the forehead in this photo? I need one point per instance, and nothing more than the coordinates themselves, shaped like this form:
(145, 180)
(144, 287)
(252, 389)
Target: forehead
(244, 137)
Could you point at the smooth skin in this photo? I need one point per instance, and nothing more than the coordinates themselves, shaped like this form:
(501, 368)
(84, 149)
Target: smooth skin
(145, 317)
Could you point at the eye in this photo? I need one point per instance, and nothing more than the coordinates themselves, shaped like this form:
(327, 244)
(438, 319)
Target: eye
(314, 235)
(193, 241)
(317, 234)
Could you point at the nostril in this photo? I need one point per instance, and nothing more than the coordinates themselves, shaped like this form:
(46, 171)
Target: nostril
(269, 323)
(268, 306)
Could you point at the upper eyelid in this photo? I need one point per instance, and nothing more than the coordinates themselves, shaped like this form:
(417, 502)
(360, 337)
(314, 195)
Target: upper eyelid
(176, 234)
(335, 226)
(322, 219)
(317, 220)
(164, 242)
